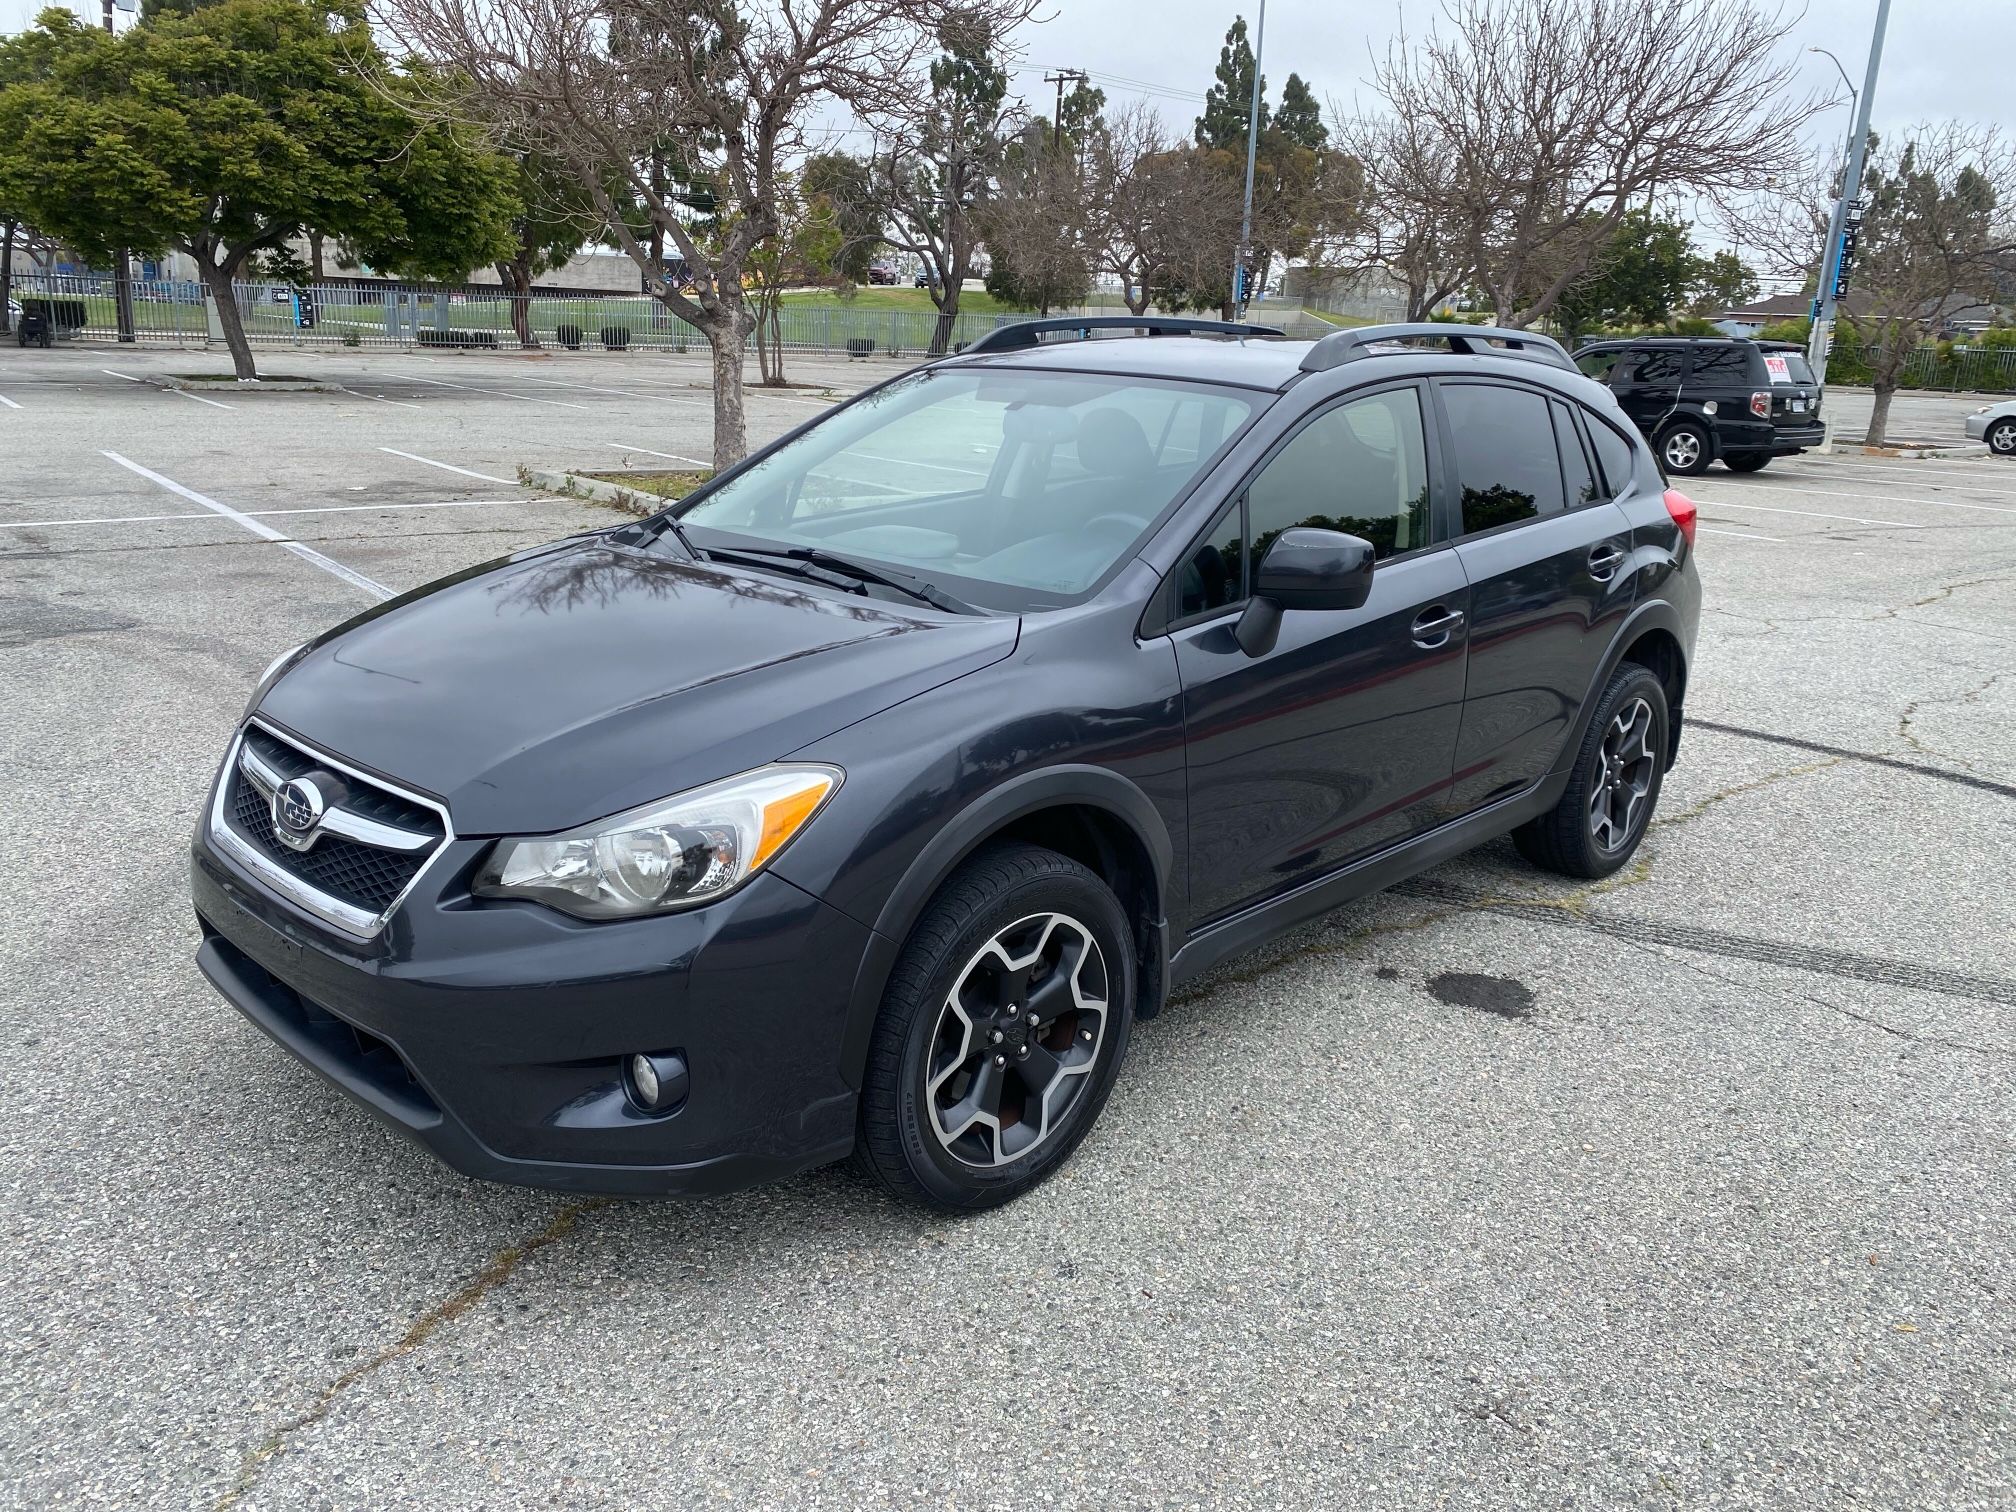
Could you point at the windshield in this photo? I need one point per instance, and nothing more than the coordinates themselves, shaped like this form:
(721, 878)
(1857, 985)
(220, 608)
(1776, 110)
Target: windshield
(1012, 489)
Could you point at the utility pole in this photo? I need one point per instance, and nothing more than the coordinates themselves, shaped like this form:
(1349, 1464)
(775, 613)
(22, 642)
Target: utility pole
(1060, 78)
(122, 264)
(1841, 230)
(1240, 275)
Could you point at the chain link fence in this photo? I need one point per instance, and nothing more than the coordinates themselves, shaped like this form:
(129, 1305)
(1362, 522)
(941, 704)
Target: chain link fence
(373, 316)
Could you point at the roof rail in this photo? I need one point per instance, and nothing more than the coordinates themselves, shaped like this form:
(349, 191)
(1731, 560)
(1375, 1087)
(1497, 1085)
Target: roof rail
(1017, 334)
(1343, 346)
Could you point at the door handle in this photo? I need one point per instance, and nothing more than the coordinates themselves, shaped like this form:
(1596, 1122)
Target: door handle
(1604, 560)
(1433, 626)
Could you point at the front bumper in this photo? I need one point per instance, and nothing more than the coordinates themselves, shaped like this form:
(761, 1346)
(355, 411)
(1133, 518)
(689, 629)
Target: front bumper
(1977, 425)
(494, 1033)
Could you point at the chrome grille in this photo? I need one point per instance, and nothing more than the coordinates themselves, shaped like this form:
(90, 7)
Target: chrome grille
(359, 859)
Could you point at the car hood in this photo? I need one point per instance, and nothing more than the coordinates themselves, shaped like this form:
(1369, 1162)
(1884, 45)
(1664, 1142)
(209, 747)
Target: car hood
(574, 682)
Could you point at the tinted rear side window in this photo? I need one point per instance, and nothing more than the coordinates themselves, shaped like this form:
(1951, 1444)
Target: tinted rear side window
(1506, 464)
(1613, 455)
(1653, 365)
(1721, 364)
(1582, 485)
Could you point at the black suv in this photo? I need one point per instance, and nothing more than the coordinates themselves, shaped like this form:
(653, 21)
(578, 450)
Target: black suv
(862, 801)
(1699, 398)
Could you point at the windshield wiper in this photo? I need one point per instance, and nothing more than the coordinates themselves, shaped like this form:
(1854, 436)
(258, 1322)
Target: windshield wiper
(829, 565)
(670, 522)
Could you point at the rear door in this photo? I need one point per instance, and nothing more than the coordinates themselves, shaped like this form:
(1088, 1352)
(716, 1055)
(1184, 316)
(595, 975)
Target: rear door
(1546, 555)
(1339, 740)
(1646, 381)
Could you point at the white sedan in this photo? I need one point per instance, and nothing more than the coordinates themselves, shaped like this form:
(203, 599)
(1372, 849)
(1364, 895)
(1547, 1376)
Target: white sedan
(1995, 424)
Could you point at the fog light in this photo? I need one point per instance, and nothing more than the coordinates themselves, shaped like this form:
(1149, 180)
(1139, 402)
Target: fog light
(656, 1083)
(644, 1080)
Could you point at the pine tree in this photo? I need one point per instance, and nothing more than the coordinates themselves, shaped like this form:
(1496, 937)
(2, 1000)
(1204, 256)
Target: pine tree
(1226, 103)
(1300, 118)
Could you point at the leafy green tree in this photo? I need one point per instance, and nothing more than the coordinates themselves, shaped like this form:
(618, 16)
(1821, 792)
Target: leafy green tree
(1229, 100)
(226, 132)
(847, 185)
(1643, 274)
(554, 218)
(1723, 282)
(1300, 118)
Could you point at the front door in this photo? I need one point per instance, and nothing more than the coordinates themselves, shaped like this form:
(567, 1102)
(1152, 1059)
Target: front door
(1339, 740)
(1546, 556)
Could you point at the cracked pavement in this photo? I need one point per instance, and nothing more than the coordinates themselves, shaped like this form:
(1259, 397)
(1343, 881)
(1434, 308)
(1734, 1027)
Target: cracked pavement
(1691, 1187)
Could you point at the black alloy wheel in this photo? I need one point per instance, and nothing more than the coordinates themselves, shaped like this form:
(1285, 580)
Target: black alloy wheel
(1002, 1028)
(1607, 806)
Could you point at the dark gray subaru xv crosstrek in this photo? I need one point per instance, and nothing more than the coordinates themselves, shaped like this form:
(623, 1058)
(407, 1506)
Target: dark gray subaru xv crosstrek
(861, 802)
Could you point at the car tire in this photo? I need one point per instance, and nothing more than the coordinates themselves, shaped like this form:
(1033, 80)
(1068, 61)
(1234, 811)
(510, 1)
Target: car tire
(1686, 448)
(1748, 462)
(950, 1121)
(1619, 769)
(2001, 438)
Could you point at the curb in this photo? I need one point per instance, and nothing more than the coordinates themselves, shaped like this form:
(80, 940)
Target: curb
(1914, 453)
(629, 500)
(254, 386)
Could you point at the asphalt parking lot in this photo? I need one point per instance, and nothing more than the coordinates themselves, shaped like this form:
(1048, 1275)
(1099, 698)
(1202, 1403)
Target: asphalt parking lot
(1692, 1188)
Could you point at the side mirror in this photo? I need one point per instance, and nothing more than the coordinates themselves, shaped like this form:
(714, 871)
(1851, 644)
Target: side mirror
(1305, 568)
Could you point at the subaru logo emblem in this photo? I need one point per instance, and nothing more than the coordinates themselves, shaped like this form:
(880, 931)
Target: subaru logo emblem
(297, 809)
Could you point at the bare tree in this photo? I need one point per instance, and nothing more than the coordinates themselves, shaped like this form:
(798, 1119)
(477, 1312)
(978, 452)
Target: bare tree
(658, 108)
(1533, 125)
(1131, 201)
(936, 172)
(1936, 233)
(1407, 228)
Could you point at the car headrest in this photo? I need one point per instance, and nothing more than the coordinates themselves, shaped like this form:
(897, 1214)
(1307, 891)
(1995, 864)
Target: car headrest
(1111, 444)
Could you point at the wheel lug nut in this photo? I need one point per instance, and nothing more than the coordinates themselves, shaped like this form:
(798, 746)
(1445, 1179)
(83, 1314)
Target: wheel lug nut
(1023, 1053)
(995, 1037)
(1000, 1061)
(1032, 1018)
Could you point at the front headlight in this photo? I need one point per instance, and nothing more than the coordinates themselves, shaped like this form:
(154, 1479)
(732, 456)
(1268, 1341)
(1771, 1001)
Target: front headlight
(680, 853)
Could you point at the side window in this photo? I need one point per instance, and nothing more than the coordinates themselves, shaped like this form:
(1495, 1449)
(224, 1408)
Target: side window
(1613, 455)
(1360, 468)
(1654, 365)
(1215, 575)
(1506, 465)
(1721, 364)
(1575, 470)
(1598, 364)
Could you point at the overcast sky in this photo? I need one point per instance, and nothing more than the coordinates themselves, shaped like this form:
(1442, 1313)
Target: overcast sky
(1942, 58)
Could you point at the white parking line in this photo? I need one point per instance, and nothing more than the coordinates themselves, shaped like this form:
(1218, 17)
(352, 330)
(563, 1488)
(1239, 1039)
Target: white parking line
(402, 403)
(964, 472)
(1741, 535)
(184, 393)
(1807, 513)
(444, 466)
(265, 532)
(1840, 493)
(496, 392)
(589, 388)
(668, 456)
(1907, 473)
(8, 402)
(127, 376)
(256, 514)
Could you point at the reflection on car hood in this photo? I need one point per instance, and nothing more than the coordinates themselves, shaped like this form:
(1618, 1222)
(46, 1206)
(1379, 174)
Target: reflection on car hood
(574, 682)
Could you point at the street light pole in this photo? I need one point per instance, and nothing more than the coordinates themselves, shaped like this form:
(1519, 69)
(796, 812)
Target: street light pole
(122, 265)
(1241, 280)
(1831, 271)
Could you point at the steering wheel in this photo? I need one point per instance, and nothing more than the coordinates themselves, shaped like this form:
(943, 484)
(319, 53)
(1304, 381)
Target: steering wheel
(1133, 522)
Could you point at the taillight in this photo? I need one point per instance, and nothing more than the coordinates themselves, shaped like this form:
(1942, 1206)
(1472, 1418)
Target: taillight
(1684, 513)
(1760, 405)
